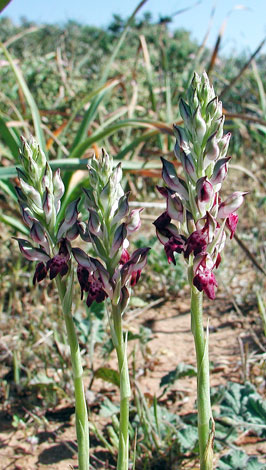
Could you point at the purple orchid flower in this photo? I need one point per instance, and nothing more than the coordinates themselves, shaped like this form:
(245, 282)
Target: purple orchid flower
(92, 284)
(205, 281)
(40, 273)
(131, 269)
(59, 263)
(204, 278)
(231, 223)
(93, 277)
(167, 234)
(196, 243)
(174, 245)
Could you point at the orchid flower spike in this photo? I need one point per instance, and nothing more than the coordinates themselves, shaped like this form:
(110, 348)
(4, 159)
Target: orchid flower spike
(39, 196)
(109, 224)
(196, 218)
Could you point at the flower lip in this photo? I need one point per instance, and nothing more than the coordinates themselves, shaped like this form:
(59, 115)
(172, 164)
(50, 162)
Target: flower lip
(231, 223)
(175, 244)
(40, 273)
(205, 281)
(162, 221)
(196, 243)
(59, 263)
(134, 265)
(91, 284)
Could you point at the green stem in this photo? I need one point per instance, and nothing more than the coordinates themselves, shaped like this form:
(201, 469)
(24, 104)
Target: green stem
(121, 350)
(82, 427)
(203, 382)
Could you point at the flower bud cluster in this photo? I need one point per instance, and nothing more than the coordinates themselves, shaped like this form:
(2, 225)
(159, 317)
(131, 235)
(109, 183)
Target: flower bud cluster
(39, 196)
(40, 191)
(194, 203)
(109, 223)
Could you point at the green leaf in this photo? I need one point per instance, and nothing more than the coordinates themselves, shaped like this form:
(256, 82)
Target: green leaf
(255, 464)
(98, 310)
(144, 335)
(89, 329)
(80, 148)
(108, 375)
(182, 370)
(239, 460)
(256, 411)
(244, 407)
(41, 379)
(224, 433)
(108, 408)
(135, 142)
(187, 438)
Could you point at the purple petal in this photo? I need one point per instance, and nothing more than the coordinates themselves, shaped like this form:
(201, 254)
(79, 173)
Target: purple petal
(196, 243)
(231, 223)
(136, 263)
(95, 293)
(40, 273)
(175, 244)
(205, 281)
(82, 258)
(57, 265)
(31, 253)
(163, 220)
(133, 221)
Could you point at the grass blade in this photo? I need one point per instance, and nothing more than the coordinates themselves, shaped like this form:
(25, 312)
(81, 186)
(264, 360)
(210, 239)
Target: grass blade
(85, 100)
(30, 100)
(74, 164)
(260, 88)
(8, 188)
(79, 150)
(9, 138)
(14, 223)
(148, 67)
(91, 112)
(120, 42)
(243, 69)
